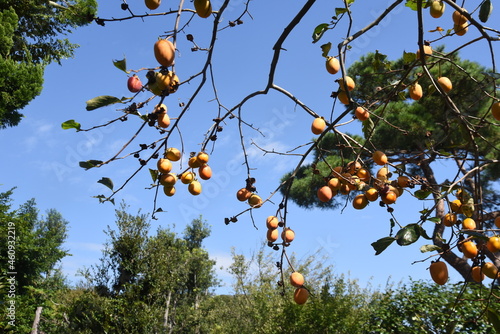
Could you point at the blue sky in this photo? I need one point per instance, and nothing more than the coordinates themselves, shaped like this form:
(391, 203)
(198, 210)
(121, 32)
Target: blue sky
(41, 159)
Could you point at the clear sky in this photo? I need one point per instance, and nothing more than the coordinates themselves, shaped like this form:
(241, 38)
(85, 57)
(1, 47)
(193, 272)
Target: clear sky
(41, 159)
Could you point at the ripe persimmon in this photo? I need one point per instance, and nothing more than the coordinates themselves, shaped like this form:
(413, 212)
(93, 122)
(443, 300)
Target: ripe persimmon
(169, 81)
(164, 51)
(371, 194)
(243, 194)
(493, 244)
(173, 154)
(300, 295)
(169, 190)
(203, 8)
(168, 180)
(361, 113)
(469, 249)
(456, 206)
(461, 30)
(415, 91)
(477, 274)
(497, 221)
(164, 166)
(203, 157)
(334, 184)
(449, 219)
(272, 222)
(349, 83)
(152, 4)
(389, 197)
(437, 8)
(439, 272)
(296, 279)
(272, 235)
(187, 177)
(469, 224)
(194, 188)
(255, 201)
(360, 202)
(490, 270)
(342, 96)
(445, 84)
(193, 162)
(332, 65)
(325, 194)
(363, 174)
(379, 158)
(427, 51)
(318, 125)
(205, 172)
(458, 17)
(288, 235)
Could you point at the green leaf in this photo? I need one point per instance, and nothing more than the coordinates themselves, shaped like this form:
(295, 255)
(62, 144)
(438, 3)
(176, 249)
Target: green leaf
(408, 235)
(422, 194)
(485, 11)
(475, 234)
(434, 219)
(367, 127)
(340, 11)
(121, 64)
(492, 75)
(429, 248)
(107, 182)
(102, 101)
(409, 57)
(423, 233)
(381, 244)
(413, 4)
(326, 48)
(71, 124)
(319, 31)
(89, 163)
(493, 318)
(154, 174)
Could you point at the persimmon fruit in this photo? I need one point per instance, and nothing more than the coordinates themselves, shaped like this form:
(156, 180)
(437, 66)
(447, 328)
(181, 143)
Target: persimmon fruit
(288, 235)
(325, 194)
(194, 188)
(300, 296)
(164, 51)
(439, 272)
(272, 222)
(205, 172)
(379, 158)
(416, 92)
(318, 125)
(164, 165)
(297, 279)
(332, 65)
(361, 114)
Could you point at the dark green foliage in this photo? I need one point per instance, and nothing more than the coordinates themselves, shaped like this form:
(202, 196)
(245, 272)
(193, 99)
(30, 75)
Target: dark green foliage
(29, 40)
(149, 283)
(38, 251)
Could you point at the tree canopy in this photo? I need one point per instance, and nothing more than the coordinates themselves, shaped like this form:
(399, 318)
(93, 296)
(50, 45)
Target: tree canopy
(30, 40)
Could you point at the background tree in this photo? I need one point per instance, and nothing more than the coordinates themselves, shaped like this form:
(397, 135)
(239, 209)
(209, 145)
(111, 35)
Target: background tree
(38, 252)
(163, 276)
(30, 40)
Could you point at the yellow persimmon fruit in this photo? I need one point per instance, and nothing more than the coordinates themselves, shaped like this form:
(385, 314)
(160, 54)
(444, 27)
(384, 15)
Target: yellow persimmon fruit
(272, 222)
(203, 157)
(255, 201)
(187, 177)
(205, 172)
(361, 113)
(437, 8)
(371, 194)
(164, 165)
(445, 84)
(469, 224)
(243, 194)
(493, 244)
(332, 65)
(348, 83)
(460, 30)
(334, 184)
(459, 18)
(389, 197)
(288, 235)
(325, 194)
(169, 191)
(296, 279)
(469, 249)
(203, 8)
(152, 4)
(490, 270)
(477, 274)
(272, 235)
(427, 51)
(439, 272)
(318, 125)
(360, 202)
(342, 96)
(173, 154)
(193, 162)
(168, 180)
(416, 91)
(194, 188)
(379, 158)
(449, 219)
(164, 51)
(169, 81)
(300, 296)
